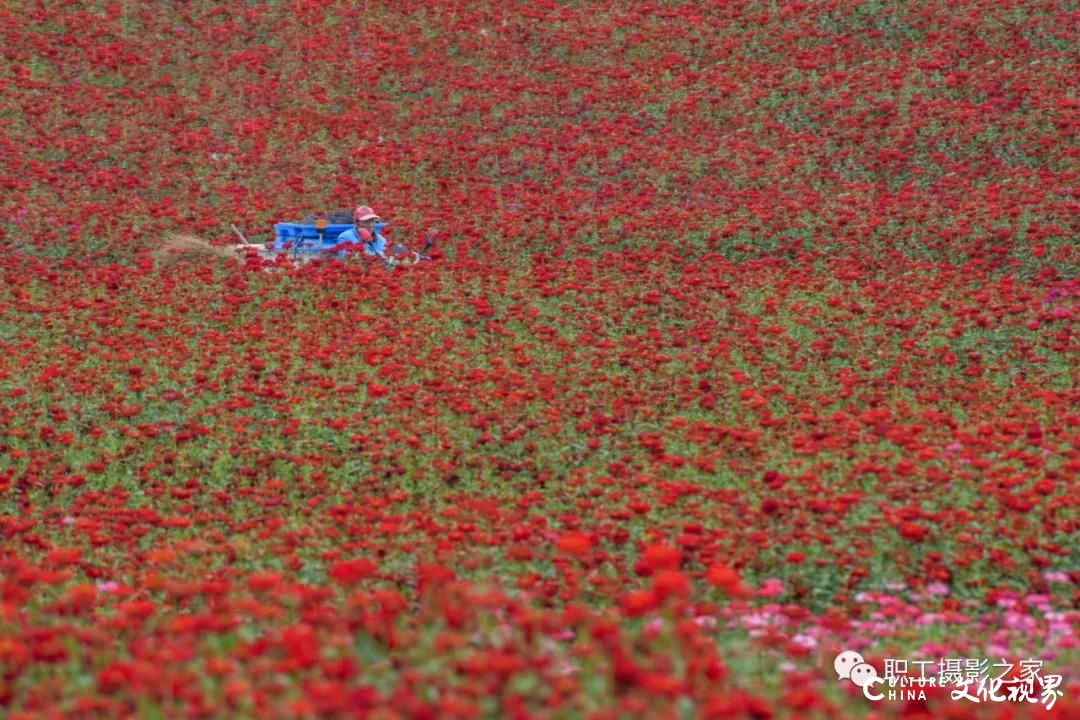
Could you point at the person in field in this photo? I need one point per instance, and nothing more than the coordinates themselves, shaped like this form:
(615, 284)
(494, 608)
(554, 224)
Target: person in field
(364, 232)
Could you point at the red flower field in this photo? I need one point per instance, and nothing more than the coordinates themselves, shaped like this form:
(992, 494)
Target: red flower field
(750, 341)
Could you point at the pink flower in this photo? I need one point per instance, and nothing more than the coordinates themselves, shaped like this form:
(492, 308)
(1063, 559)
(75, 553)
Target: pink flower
(1019, 621)
(931, 650)
(859, 643)
(771, 587)
(937, 589)
(564, 668)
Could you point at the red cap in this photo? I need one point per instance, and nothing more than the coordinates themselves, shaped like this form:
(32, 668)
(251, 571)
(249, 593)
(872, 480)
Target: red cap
(363, 213)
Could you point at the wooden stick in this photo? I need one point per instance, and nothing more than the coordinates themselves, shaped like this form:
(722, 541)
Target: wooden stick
(240, 234)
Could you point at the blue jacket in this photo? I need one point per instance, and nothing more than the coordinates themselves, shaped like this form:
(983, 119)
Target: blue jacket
(377, 246)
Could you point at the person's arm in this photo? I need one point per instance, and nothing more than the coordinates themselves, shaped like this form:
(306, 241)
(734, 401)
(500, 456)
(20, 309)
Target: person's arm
(347, 241)
(379, 245)
(374, 245)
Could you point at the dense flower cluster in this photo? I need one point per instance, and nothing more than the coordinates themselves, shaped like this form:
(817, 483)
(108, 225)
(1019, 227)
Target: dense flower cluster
(750, 340)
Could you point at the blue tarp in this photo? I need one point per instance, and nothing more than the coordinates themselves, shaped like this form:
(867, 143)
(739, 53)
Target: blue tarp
(298, 237)
(306, 238)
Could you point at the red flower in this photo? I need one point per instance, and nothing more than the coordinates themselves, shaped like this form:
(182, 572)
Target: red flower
(642, 602)
(430, 576)
(661, 557)
(301, 645)
(116, 677)
(724, 577)
(670, 583)
(574, 544)
(351, 572)
(912, 532)
(81, 598)
(263, 581)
